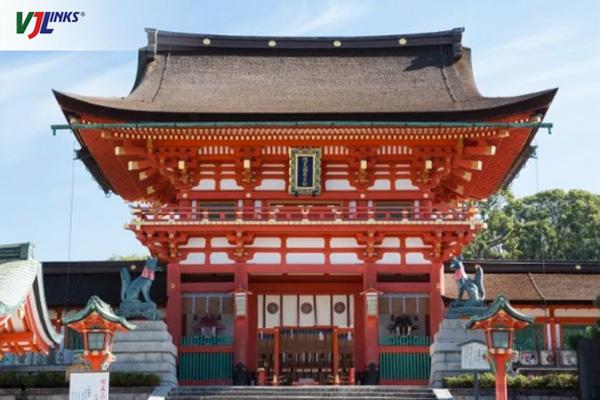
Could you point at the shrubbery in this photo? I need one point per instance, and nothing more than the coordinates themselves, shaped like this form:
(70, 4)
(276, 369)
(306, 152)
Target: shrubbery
(487, 381)
(57, 379)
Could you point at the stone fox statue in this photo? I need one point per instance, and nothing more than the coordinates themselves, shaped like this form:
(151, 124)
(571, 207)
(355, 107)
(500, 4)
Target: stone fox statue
(473, 287)
(130, 290)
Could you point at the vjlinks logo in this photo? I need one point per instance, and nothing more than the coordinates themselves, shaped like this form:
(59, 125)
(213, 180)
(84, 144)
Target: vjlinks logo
(43, 19)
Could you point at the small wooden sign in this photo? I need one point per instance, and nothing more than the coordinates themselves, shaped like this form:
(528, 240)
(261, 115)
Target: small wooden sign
(305, 171)
(473, 356)
(89, 386)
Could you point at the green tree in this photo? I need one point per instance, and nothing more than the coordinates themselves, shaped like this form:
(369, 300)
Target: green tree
(130, 257)
(549, 225)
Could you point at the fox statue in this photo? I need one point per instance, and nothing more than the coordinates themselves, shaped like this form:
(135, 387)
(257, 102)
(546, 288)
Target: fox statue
(131, 290)
(473, 287)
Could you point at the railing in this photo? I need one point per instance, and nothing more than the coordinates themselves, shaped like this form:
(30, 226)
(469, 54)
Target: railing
(405, 341)
(304, 213)
(206, 360)
(206, 341)
(404, 359)
(406, 367)
(530, 339)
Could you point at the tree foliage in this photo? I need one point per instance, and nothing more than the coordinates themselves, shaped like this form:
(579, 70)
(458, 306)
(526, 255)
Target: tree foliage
(129, 257)
(549, 225)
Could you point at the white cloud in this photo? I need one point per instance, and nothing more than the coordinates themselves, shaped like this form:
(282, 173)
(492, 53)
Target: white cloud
(16, 76)
(335, 13)
(523, 50)
(32, 109)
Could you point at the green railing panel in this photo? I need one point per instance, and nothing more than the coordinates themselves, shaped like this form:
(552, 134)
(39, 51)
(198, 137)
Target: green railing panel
(404, 366)
(571, 330)
(206, 340)
(530, 338)
(405, 341)
(205, 366)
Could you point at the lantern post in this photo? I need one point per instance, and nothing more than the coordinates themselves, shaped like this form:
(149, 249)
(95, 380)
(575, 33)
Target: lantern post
(97, 323)
(500, 321)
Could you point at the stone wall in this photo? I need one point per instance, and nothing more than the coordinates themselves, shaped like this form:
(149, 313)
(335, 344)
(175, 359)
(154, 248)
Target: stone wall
(445, 350)
(148, 348)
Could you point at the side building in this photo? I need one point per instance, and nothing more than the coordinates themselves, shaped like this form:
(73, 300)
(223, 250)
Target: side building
(304, 175)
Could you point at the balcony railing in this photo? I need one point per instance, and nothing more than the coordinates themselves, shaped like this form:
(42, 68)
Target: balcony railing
(305, 214)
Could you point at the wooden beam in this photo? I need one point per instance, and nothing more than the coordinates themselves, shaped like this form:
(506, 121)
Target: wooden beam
(462, 175)
(130, 151)
(480, 150)
(142, 176)
(474, 165)
(17, 337)
(138, 165)
(207, 287)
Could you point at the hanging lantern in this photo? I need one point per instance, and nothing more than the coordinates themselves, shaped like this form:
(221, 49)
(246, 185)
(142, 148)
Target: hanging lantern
(97, 323)
(372, 302)
(241, 302)
(500, 321)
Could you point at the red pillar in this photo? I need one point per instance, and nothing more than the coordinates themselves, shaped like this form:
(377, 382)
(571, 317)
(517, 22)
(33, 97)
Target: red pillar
(174, 302)
(500, 361)
(359, 332)
(252, 338)
(240, 327)
(371, 324)
(436, 304)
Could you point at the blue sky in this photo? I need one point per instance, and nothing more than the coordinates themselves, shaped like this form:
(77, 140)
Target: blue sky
(518, 47)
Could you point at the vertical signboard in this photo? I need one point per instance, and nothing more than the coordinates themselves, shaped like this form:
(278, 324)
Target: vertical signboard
(305, 171)
(88, 386)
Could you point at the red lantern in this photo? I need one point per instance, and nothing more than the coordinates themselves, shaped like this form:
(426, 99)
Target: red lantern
(97, 323)
(500, 321)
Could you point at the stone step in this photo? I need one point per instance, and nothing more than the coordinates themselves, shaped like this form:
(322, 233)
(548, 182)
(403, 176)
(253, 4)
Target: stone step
(340, 396)
(301, 393)
(284, 394)
(349, 397)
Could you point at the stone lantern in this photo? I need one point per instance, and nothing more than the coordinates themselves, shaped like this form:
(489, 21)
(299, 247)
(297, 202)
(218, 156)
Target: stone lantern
(97, 323)
(500, 321)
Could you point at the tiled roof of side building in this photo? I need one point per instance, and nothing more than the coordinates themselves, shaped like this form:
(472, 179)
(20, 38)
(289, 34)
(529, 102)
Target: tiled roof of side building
(530, 282)
(70, 284)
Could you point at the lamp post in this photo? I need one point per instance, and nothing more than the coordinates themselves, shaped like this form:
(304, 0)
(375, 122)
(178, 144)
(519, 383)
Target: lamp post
(97, 323)
(240, 297)
(371, 302)
(500, 321)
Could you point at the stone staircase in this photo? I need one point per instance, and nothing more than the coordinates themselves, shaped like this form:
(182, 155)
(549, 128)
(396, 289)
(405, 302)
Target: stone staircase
(304, 393)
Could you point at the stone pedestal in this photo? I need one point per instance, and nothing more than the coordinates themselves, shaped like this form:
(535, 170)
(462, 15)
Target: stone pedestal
(148, 349)
(445, 350)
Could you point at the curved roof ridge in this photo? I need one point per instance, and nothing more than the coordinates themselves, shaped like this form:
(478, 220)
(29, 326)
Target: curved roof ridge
(164, 41)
